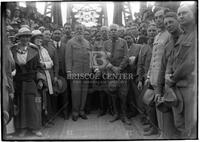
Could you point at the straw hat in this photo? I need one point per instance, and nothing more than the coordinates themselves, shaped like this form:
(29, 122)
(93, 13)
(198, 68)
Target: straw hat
(24, 31)
(148, 97)
(36, 33)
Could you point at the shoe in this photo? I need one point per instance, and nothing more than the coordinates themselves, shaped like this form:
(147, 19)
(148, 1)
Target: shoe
(74, 118)
(116, 117)
(83, 116)
(152, 131)
(126, 120)
(37, 133)
(66, 116)
(101, 113)
(22, 133)
(145, 122)
(146, 129)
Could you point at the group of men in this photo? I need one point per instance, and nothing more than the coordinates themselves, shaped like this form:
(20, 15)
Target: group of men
(161, 59)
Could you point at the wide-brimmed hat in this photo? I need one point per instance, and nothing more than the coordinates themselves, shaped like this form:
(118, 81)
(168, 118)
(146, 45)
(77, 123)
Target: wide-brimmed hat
(60, 85)
(148, 97)
(113, 85)
(171, 99)
(24, 31)
(26, 26)
(36, 33)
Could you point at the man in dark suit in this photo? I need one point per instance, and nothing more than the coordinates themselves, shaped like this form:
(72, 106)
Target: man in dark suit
(77, 63)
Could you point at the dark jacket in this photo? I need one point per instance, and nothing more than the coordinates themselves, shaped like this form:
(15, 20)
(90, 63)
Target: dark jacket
(77, 56)
(49, 46)
(119, 55)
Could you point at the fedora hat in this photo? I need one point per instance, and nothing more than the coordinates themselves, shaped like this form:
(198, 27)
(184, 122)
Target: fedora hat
(60, 85)
(24, 31)
(148, 97)
(169, 100)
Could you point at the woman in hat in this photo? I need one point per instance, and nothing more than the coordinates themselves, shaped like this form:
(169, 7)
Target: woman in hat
(46, 62)
(27, 99)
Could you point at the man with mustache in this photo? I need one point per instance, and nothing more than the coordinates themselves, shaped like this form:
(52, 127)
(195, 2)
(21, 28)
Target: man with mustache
(76, 63)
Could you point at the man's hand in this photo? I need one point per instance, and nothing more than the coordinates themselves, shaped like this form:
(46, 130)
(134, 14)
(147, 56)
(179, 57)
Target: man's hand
(116, 69)
(157, 98)
(69, 73)
(14, 72)
(40, 84)
(42, 64)
(11, 95)
(139, 85)
(147, 82)
(131, 60)
(168, 80)
(55, 79)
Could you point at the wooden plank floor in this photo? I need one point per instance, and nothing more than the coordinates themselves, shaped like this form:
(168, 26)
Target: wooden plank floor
(93, 128)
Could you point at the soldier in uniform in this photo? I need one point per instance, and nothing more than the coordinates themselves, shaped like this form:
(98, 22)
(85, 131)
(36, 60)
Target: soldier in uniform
(77, 63)
(143, 66)
(160, 42)
(181, 71)
(172, 25)
(117, 51)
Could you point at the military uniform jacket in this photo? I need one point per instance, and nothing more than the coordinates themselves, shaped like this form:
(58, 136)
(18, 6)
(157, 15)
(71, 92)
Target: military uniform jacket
(119, 55)
(159, 46)
(77, 58)
(181, 62)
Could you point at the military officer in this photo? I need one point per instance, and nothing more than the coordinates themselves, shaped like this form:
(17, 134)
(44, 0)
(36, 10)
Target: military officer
(117, 51)
(76, 63)
(160, 42)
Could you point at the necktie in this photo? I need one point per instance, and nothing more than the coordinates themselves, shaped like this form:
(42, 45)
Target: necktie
(57, 46)
(113, 47)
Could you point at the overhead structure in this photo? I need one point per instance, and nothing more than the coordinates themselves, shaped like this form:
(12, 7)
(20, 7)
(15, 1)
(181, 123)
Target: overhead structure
(53, 10)
(88, 14)
(122, 11)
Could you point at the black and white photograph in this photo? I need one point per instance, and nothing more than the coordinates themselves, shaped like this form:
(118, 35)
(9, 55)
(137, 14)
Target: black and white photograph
(99, 70)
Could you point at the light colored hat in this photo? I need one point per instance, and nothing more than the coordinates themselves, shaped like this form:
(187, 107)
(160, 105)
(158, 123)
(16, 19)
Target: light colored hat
(23, 31)
(60, 85)
(148, 97)
(36, 33)
(25, 26)
(42, 27)
(9, 28)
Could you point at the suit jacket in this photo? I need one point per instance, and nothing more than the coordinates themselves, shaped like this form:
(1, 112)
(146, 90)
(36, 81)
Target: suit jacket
(134, 51)
(144, 62)
(77, 56)
(119, 56)
(49, 46)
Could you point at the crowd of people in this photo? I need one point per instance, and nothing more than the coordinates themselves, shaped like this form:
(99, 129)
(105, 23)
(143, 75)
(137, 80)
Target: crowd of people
(141, 68)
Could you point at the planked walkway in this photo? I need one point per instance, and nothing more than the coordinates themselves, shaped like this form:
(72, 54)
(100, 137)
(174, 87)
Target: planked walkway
(93, 128)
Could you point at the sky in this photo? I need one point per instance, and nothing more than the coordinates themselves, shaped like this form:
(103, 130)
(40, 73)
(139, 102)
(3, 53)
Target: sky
(135, 7)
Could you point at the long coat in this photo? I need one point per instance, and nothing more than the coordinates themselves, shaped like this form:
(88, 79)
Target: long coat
(26, 95)
(77, 56)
